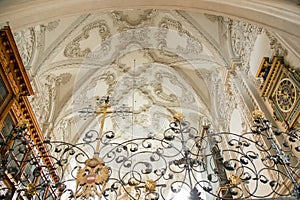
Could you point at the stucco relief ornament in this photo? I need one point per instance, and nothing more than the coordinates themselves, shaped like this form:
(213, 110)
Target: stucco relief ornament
(135, 36)
(243, 36)
(63, 78)
(52, 25)
(143, 18)
(40, 102)
(192, 46)
(74, 48)
(276, 47)
(44, 100)
(25, 40)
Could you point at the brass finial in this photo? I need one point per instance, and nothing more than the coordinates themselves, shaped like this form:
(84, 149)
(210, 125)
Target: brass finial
(133, 182)
(30, 190)
(150, 186)
(234, 180)
(205, 123)
(178, 117)
(258, 114)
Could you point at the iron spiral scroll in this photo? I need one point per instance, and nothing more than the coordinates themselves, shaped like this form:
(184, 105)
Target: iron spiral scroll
(204, 164)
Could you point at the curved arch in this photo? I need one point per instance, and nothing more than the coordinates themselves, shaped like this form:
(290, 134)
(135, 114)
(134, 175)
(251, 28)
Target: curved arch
(284, 17)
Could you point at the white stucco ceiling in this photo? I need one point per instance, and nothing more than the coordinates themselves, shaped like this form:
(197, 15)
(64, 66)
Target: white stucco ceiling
(157, 57)
(75, 51)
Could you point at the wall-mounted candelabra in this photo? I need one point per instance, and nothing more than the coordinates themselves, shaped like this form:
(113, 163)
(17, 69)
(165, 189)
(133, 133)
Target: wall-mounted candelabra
(203, 164)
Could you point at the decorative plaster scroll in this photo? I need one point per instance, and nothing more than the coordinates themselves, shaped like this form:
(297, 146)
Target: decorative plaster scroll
(161, 88)
(63, 129)
(118, 45)
(62, 78)
(242, 104)
(40, 103)
(193, 46)
(140, 36)
(238, 98)
(159, 117)
(43, 101)
(185, 96)
(87, 93)
(206, 38)
(276, 47)
(159, 91)
(162, 45)
(73, 49)
(169, 23)
(243, 36)
(101, 52)
(52, 25)
(160, 39)
(223, 101)
(212, 18)
(25, 40)
(54, 81)
(136, 19)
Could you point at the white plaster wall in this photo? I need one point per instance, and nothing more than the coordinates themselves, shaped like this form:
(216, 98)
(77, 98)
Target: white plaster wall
(261, 49)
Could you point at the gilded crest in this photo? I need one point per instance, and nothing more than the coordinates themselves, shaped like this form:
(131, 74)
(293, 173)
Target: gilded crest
(92, 178)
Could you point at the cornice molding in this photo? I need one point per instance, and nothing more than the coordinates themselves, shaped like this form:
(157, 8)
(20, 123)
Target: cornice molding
(12, 64)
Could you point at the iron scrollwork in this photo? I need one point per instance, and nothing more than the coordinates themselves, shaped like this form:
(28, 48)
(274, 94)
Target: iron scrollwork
(261, 163)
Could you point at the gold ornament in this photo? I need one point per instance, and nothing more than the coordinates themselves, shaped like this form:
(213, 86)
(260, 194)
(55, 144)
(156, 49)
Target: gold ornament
(92, 178)
(234, 180)
(150, 186)
(178, 117)
(133, 182)
(30, 190)
(258, 114)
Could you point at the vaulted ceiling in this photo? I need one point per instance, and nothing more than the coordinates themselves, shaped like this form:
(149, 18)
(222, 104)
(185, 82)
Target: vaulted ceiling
(154, 61)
